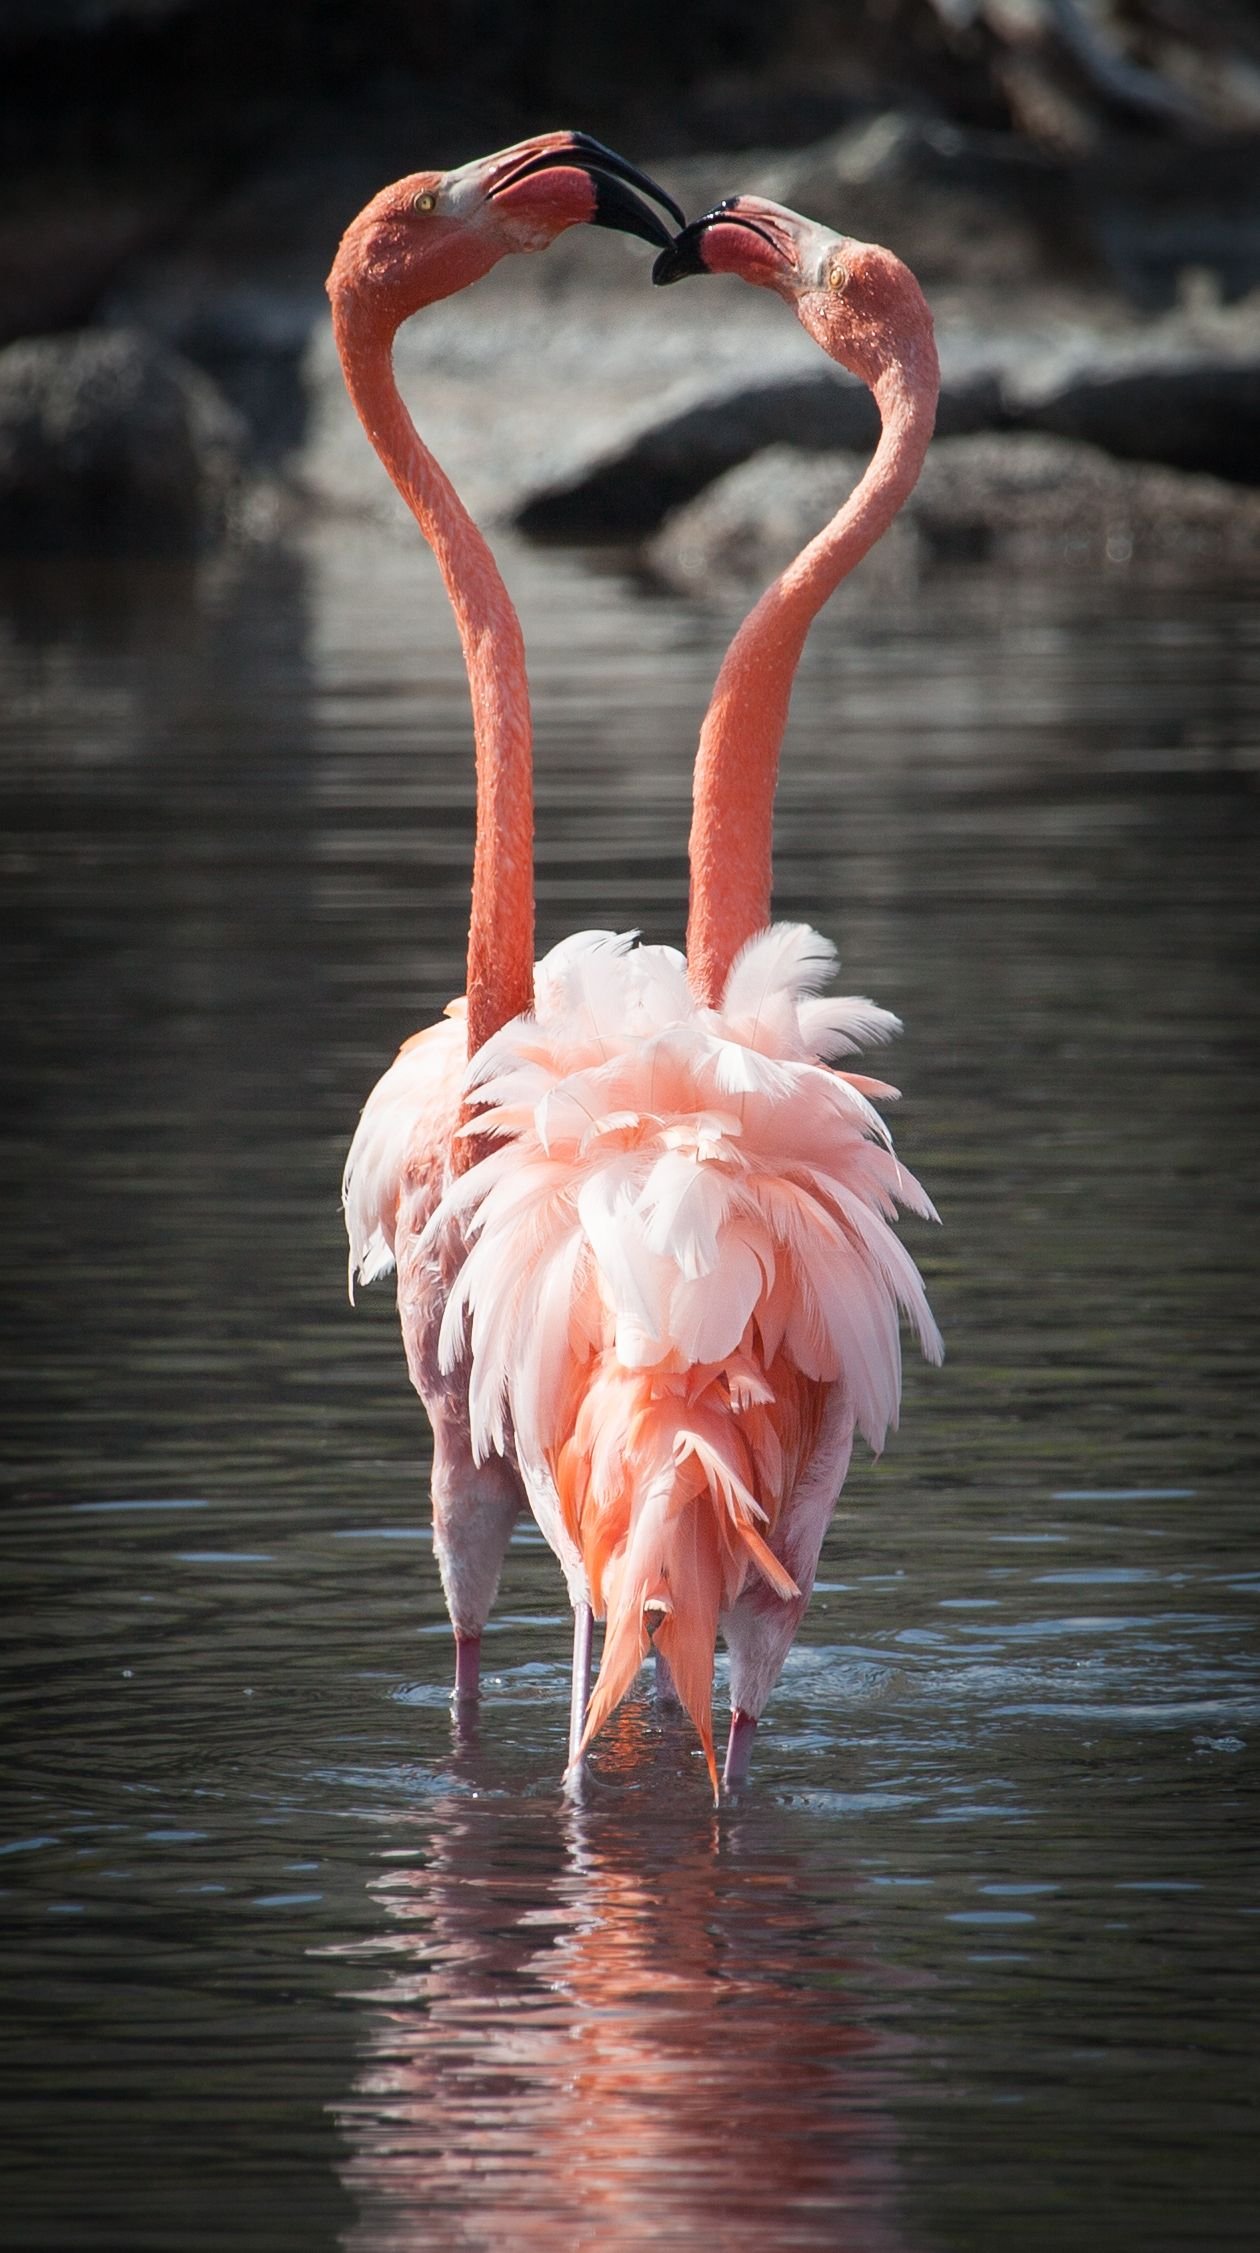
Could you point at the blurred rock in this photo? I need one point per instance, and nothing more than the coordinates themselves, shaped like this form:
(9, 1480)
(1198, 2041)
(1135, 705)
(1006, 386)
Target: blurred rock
(1195, 409)
(990, 211)
(1160, 212)
(1073, 72)
(60, 251)
(631, 488)
(1020, 500)
(109, 444)
(1170, 395)
(974, 209)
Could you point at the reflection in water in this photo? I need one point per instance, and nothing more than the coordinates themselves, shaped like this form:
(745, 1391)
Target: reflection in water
(614, 2024)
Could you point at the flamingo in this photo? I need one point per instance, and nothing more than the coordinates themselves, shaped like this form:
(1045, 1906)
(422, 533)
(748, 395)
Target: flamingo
(866, 310)
(678, 1291)
(419, 240)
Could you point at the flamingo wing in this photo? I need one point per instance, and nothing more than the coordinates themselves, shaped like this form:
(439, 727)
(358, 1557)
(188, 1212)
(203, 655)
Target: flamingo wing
(400, 1146)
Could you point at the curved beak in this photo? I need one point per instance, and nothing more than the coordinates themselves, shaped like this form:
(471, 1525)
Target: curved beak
(744, 235)
(610, 182)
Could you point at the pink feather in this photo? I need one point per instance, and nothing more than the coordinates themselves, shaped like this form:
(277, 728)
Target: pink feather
(678, 1250)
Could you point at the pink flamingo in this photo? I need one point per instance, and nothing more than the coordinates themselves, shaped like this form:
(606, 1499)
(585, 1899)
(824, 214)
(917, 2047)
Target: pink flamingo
(420, 240)
(678, 1288)
(864, 307)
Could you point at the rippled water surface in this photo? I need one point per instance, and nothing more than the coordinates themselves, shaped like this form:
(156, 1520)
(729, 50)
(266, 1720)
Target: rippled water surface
(973, 1962)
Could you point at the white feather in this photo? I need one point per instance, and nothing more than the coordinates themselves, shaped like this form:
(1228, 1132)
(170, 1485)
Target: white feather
(708, 1316)
(635, 1277)
(405, 1128)
(683, 1205)
(841, 1024)
(788, 959)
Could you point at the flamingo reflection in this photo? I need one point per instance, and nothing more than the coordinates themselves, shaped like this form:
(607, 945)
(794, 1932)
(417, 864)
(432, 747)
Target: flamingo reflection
(613, 2025)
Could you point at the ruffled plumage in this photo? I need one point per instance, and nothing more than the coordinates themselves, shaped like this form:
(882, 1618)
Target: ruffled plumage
(401, 1143)
(678, 1249)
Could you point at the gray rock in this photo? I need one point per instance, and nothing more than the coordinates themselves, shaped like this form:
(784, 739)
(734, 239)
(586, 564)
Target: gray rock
(630, 489)
(109, 444)
(1193, 409)
(1189, 401)
(1018, 500)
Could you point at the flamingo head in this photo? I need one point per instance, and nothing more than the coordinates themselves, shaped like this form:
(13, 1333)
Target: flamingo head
(856, 299)
(433, 233)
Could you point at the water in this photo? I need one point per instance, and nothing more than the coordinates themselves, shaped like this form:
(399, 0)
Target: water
(973, 1963)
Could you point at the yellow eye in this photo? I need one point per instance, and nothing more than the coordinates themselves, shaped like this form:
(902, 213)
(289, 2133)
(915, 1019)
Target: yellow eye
(425, 202)
(837, 275)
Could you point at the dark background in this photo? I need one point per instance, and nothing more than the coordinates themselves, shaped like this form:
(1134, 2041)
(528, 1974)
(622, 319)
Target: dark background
(126, 121)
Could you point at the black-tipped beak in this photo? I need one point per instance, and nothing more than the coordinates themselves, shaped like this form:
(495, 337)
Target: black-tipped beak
(599, 160)
(617, 206)
(613, 180)
(685, 255)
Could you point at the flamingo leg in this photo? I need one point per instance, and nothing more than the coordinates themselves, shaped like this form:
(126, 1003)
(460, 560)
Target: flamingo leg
(580, 1690)
(739, 1748)
(666, 1687)
(467, 1668)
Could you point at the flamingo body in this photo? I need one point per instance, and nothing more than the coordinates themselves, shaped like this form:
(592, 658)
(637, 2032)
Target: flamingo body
(680, 1292)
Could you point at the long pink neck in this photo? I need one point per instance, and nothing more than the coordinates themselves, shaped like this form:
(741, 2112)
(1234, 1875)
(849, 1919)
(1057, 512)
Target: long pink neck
(501, 927)
(737, 764)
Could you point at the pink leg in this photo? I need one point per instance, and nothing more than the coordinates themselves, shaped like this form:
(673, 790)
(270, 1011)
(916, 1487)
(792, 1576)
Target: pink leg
(580, 1690)
(467, 1666)
(739, 1748)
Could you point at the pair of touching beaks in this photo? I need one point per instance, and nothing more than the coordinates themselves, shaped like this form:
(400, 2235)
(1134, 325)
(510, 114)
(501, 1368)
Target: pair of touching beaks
(619, 188)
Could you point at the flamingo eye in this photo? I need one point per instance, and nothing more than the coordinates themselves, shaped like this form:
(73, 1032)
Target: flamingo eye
(425, 202)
